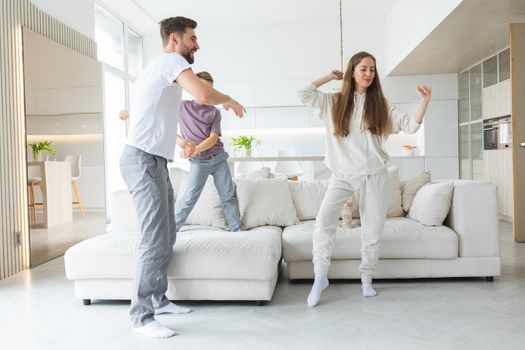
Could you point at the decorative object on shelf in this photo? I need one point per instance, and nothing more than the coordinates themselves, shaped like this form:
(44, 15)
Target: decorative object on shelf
(244, 143)
(44, 145)
(409, 150)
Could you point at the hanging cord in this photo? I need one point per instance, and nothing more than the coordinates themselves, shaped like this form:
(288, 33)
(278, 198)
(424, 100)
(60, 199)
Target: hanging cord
(341, 31)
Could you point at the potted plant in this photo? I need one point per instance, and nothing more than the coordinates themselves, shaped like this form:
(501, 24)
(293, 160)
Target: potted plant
(245, 143)
(40, 146)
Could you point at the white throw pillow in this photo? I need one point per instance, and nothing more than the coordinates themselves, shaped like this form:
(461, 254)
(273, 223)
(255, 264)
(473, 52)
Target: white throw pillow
(395, 207)
(208, 210)
(265, 202)
(411, 188)
(176, 176)
(432, 203)
(261, 173)
(307, 197)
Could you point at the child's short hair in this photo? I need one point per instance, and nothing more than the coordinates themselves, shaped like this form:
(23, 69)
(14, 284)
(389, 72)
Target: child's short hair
(205, 76)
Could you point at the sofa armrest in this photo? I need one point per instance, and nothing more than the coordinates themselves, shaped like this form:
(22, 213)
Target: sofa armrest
(474, 217)
(123, 216)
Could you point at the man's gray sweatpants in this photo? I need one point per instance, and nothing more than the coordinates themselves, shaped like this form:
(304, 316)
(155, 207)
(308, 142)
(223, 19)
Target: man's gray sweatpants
(147, 179)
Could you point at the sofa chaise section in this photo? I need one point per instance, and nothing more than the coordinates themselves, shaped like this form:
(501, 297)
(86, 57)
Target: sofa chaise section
(466, 245)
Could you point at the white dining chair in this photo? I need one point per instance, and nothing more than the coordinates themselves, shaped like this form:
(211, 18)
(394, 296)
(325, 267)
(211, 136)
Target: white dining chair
(34, 179)
(291, 168)
(75, 162)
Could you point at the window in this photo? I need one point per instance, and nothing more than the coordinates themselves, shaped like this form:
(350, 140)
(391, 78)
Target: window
(109, 35)
(119, 50)
(471, 85)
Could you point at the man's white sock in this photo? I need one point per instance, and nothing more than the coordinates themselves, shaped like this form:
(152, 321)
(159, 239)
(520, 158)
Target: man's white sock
(155, 330)
(368, 290)
(172, 308)
(320, 284)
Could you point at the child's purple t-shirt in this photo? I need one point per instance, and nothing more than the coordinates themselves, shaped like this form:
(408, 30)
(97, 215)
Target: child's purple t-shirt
(197, 122)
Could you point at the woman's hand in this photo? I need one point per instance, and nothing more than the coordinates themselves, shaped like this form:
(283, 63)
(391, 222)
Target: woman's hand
(333, 75)
(425, 92)
(336, 74)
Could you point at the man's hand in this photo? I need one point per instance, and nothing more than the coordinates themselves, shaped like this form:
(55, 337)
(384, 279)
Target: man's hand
(238, 109)
(123, 114)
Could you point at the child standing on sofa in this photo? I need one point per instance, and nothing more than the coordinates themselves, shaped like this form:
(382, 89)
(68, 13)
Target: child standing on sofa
(358, 120)
(201, 125)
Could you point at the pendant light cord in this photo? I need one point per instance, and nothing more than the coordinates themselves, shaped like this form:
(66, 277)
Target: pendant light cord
(341, 32)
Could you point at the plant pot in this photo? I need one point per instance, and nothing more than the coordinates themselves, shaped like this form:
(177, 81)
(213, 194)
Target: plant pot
(36, 156)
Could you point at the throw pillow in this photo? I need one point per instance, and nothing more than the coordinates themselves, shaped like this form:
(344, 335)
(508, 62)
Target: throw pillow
(350, 209)
(208, 210)
(411, 187)
(176, 176)
(350, 212)
(265, 202)
(432, 203)
(307, 197)
(395, 207)
(261, 173)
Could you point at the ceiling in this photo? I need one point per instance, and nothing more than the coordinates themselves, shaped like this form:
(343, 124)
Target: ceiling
(475, 30)
(213, 13)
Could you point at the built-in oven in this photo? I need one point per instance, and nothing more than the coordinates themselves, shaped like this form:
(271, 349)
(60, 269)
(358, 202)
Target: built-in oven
(497, 133)
(490, 134)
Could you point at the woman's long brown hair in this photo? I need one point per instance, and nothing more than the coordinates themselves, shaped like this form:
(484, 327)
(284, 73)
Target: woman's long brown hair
(375, 113)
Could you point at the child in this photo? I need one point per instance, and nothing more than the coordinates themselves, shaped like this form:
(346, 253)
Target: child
(201, 125)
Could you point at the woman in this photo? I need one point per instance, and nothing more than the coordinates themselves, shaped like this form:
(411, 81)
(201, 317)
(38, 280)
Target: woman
(358, 121)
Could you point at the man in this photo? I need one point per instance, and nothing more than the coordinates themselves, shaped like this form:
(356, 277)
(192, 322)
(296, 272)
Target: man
(150, 145)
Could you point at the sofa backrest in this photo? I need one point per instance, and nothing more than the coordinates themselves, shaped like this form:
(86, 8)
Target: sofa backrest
(474, 217)
(123, 216)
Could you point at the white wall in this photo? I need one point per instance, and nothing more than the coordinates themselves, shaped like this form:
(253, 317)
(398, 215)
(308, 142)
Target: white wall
(77, 14)
(63, 98)
(264, 66)
(409, 22)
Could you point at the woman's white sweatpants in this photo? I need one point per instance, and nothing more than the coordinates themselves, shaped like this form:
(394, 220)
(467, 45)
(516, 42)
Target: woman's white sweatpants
(372, 209)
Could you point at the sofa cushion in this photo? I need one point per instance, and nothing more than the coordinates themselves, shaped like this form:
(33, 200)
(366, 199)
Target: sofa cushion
(123, 217)
(432, 203)
(394, 204)
(403, 238)
(411, 187)
(200, 252)
(208, 210)
(176, 176)
(395, 207)
(307, 197)
(265, 202)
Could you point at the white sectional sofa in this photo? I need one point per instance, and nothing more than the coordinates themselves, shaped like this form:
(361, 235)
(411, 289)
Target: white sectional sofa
(467, 245)
(212, 264)
(208, 263)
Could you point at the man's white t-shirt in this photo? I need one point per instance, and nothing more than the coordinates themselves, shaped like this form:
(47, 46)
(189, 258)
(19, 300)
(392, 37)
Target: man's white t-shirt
(155, 110)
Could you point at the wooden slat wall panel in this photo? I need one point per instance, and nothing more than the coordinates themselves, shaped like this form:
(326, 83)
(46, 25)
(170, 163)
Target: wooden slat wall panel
(13, 192)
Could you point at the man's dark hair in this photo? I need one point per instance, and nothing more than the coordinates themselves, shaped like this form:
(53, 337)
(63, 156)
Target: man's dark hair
(175, 25)
(205, 76)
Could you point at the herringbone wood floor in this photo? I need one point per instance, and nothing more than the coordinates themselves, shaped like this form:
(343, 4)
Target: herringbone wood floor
(38, 311)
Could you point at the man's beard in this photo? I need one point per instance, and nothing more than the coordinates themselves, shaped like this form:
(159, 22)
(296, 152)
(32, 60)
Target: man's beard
(187, 55)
